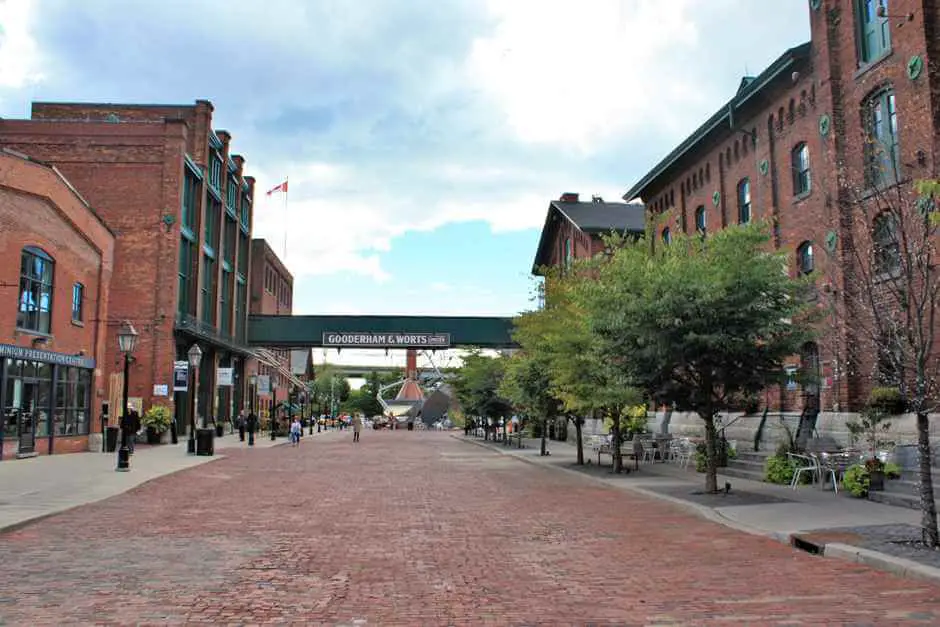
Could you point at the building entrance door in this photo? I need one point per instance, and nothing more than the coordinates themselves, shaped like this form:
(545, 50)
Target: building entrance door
(23, 408)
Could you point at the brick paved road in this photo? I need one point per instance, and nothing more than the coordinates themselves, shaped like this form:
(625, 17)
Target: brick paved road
(418, 529)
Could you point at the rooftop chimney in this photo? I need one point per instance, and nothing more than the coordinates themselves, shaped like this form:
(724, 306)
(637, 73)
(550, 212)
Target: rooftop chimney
(568, 197)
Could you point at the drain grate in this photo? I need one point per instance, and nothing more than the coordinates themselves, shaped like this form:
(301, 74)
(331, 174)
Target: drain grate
(806, 545)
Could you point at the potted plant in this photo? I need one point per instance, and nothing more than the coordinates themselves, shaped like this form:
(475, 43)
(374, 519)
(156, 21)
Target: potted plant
(869, 428)
(157, 420)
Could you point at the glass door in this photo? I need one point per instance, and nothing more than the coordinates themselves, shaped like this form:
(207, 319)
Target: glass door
(27, 416)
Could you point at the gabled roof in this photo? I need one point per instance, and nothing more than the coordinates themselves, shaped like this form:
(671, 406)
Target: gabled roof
(592, 218)
(724, 118)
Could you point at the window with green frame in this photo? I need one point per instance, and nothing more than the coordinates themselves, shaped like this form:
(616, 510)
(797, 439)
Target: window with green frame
(185, 274)
(245, 210)
(211, 230)
(229, 241)
(243, 254)
(215, 170)
(241, 296)
(208, 289)
(881, 129)
(744, 201)
(190, 194)
(231, 193)
(874, 31)
(225, 302)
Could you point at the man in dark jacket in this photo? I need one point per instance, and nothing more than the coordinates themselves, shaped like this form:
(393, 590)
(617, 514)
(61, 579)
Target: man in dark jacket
(134, 426)
(252, 424)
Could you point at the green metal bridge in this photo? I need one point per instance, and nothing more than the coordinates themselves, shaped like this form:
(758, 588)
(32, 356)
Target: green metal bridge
(421, 332)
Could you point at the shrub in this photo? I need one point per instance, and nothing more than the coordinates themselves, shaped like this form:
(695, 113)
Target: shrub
(892, 471)
(887, 400)
(856, 480)
(158, 418)
(779, 469)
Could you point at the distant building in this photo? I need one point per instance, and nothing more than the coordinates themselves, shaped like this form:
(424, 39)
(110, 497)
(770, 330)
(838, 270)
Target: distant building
(58, 258)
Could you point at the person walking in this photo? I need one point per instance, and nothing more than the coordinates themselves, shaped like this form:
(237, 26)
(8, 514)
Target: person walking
(357, 427)
(240, 422)
(295, 429)
(134, 424)
(252, 424)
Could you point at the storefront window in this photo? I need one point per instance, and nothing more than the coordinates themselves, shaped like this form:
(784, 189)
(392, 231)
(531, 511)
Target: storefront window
(28, 387)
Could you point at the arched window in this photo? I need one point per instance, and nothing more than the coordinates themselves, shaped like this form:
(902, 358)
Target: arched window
(805, 263)
(744, 201)
(886, 249)
(35, 303)
(799, 160)
(880, 124)
(667, 236)
(700, 225)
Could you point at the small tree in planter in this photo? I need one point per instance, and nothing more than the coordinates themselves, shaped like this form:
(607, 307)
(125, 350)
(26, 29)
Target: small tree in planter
(869, 428)
(157, 420)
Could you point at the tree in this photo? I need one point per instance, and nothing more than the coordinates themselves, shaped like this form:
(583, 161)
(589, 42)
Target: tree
(580, 376)
(701, 323)
(892, 293)
(527, 386)
(477, 387)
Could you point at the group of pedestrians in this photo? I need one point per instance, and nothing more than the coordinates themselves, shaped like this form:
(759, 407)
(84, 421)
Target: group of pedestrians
(250, 423)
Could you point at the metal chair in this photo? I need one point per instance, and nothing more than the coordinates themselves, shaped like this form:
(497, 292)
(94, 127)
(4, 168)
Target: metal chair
(809, 464)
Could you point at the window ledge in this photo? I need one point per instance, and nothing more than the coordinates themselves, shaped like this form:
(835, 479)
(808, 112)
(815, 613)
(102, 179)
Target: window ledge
(802, 196)
(77, 323)
(872, 191)
(874, 63)
(34, 332)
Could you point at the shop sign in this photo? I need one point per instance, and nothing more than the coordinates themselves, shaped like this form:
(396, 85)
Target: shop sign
(386, 340)
(34, 354)
(264, 384)
(180, 376)
(224, 376)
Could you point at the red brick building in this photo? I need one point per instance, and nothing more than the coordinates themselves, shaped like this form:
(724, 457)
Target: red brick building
(573, 229)
(59, 257)
(794, 145)
(272, 293)
(176, 195)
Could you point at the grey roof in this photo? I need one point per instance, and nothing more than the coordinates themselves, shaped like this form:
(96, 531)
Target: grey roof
(591, 217)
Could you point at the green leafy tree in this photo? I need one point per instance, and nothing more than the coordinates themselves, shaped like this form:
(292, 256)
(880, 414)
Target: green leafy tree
(700, 324)
(477, 387)
(527, 385)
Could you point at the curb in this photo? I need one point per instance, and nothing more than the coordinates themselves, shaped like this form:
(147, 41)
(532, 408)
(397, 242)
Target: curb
(4, 529)
(905, 568)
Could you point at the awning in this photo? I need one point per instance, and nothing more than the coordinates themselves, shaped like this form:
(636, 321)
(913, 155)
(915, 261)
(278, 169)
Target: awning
(270, 359)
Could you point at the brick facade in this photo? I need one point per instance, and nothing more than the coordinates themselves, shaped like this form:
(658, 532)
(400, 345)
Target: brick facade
(814, 95)
(135, 163)
(272, 293)
(40, 209)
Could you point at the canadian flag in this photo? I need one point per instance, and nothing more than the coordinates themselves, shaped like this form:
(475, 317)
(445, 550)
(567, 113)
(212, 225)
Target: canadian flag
(278, 188)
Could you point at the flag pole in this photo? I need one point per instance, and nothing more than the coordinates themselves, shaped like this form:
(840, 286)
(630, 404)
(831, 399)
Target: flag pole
(286, 221)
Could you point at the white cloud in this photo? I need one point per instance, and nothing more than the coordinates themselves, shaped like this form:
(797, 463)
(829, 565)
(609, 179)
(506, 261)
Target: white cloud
(575, 73)
(19, 55)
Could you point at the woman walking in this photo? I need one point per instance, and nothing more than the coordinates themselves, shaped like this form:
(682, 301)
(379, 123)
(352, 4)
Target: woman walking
(295, 429)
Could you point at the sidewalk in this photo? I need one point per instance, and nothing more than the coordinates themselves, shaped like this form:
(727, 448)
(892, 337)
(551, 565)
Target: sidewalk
(49, 484)
(809, 518)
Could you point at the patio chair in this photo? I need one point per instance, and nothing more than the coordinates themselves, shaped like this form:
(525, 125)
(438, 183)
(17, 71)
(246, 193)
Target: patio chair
(826, 469)
(804, 463)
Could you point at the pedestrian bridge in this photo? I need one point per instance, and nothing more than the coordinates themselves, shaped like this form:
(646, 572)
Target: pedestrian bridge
(420, 332)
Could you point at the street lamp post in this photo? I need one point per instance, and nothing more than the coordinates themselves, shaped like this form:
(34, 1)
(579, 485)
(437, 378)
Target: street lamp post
(127, 342)
(195, 356)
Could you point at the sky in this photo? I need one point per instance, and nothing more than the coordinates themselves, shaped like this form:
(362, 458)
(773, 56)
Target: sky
(422, 139)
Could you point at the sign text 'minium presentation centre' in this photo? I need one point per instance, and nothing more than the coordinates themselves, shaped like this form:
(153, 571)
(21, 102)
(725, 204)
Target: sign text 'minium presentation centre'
(387, 340)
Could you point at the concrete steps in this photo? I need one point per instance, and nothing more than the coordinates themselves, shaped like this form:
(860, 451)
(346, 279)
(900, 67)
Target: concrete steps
(747, 465)
(903, 492)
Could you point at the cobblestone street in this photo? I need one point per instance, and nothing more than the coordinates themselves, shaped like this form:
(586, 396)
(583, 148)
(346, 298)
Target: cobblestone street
(411, 528)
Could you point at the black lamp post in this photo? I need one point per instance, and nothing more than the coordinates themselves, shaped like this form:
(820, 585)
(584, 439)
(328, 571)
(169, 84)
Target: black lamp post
(127, 342)
(195, 356)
